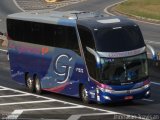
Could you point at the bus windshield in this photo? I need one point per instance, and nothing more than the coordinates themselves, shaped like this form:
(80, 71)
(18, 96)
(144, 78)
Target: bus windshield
(118, 39)
(124, 70)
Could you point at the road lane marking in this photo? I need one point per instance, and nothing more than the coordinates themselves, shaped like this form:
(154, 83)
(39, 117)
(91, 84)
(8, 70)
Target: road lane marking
(15, 2)
(27, 102)
(149, 100)
(61, 101)
(3, 89)
(15, 114)
(18, 91)
(106, 9)
(78, 116)
(53, 108)
(3, 50)
(9, 96)
(155, 83)
(152, 42)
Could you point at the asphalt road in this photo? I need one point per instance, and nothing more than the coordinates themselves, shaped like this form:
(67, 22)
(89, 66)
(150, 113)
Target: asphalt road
(14, 98)
(6, 7)
(150, 32)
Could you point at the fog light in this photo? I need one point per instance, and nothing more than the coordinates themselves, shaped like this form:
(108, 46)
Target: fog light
(147, 93)
(107, 98)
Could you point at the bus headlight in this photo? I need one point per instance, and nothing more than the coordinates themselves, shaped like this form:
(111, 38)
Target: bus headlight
(107, 89)
(146, 86)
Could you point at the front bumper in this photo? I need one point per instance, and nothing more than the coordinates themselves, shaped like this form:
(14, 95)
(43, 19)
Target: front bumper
(124, 95)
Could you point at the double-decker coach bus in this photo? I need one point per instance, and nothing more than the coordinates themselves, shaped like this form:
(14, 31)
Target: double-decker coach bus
(88, 55)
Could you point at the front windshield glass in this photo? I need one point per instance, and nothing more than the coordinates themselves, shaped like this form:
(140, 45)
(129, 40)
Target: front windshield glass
(123, 70)
(118, 39)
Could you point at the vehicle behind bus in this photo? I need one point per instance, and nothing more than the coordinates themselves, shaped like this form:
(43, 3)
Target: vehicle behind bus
(81, 54)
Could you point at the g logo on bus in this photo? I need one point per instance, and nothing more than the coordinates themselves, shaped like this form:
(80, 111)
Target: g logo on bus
(62, 68)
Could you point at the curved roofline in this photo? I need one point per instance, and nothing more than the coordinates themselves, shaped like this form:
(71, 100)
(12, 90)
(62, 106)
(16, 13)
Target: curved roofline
(45, 16)
(68, 18)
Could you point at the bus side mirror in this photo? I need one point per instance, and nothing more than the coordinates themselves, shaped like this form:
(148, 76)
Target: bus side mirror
(93, 52)
(151, 52)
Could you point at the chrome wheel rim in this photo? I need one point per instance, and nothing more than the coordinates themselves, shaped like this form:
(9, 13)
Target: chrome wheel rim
(84, 94)
(29, 82)
(37, 85)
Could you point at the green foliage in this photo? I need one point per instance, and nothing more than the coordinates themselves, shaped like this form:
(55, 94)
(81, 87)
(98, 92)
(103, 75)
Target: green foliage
(144, 8)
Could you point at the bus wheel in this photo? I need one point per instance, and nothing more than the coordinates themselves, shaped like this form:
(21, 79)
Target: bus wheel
(38, 86)
(30, 84)
(84, 95)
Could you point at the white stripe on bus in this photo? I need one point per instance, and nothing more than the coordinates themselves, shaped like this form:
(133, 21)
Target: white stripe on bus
(155, 83)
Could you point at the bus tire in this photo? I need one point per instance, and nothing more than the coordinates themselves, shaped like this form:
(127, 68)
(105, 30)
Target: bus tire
(38, 86)
(30, 84)
(84, 95)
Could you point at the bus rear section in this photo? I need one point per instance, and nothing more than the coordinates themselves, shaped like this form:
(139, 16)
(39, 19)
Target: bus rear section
(45, 56)
(91, 56)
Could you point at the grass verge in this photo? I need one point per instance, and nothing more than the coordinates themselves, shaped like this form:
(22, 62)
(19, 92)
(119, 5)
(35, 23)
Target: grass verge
(149, 9)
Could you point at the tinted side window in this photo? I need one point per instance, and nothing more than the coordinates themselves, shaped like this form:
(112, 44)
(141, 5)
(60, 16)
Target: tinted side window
(27, 32)
(43, 34)
(37, 33)
(49, 35)
(88, 41)
(86, 37)
(71, 39)
(14, 29)
(62, 37)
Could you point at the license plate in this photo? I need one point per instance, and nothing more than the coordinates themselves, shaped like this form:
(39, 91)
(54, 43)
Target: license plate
(128, 98)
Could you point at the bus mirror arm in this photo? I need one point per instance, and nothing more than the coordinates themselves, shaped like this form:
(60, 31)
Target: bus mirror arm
(153, 52)
(95, 55)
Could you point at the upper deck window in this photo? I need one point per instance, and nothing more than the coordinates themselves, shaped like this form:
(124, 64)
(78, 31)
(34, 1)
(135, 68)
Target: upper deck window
(43, 34)
(118, 39)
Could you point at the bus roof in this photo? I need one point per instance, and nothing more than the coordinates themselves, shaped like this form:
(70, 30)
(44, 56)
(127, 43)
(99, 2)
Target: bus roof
(69, 18)
(45, 16)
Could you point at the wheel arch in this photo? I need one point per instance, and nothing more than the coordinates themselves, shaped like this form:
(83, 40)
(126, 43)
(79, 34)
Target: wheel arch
(80, 87)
